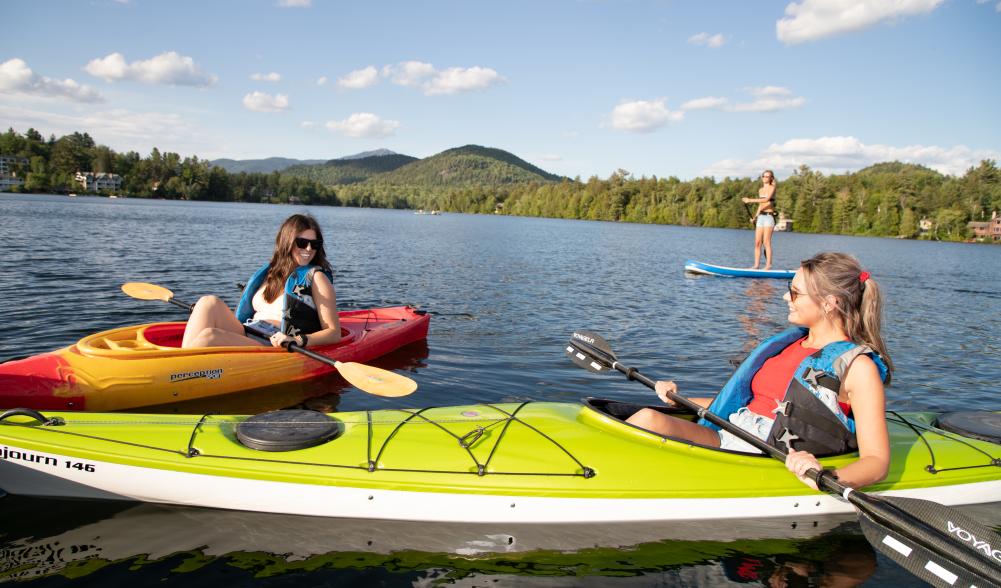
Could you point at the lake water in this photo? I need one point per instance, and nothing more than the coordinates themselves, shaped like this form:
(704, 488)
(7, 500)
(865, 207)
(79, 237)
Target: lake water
(505, 293)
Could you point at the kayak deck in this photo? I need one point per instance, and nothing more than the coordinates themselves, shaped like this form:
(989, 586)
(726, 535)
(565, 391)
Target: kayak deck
(529, 462)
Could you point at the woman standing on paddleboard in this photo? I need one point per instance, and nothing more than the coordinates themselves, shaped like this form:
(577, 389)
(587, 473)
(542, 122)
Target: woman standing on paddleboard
(814, 389)
(291, 298)
(764, 218)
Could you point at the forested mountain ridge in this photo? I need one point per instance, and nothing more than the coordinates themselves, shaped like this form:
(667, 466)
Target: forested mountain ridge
(350, 170)
(887, 199)
(264, 166)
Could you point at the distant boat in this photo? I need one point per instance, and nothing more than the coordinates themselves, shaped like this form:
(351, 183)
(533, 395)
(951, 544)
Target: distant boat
(112, 196)
(72, 194)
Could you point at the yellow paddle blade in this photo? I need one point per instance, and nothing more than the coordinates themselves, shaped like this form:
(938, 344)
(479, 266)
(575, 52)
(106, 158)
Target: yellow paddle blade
(376, 381)
(144, 291)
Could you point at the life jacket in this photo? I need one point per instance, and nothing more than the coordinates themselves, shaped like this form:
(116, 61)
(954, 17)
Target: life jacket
(298, 310)
(808, 418)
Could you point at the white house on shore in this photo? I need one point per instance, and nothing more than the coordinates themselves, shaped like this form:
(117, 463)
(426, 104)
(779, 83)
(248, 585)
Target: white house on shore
(8, 171)
(97, 181)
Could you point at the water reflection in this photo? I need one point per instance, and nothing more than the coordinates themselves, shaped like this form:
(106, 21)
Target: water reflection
(761, 297)
(69, 538)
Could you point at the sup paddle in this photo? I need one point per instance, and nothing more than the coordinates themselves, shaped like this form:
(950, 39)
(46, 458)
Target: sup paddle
(367, 378)
(935, 543)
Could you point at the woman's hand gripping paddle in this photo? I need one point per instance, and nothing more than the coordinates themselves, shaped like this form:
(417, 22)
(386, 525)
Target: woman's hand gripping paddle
(366, 378)
(935, 543)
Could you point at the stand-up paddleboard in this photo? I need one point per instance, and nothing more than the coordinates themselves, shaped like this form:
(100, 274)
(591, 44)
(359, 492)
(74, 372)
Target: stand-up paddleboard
(697, 267)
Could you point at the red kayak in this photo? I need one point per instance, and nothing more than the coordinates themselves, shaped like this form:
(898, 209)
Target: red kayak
(144, 365)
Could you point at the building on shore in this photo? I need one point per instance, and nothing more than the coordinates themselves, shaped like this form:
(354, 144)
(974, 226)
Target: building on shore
(97, 181)
(9, 167)
(9, 181)
(9, 164)
(983, 230)
(925, 225)
(783, 224)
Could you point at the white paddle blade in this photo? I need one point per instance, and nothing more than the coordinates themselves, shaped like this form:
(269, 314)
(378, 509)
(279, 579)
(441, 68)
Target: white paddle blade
(376, 381)
(144, 291)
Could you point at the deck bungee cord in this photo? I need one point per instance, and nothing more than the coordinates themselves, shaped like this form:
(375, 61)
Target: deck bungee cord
(414, 417)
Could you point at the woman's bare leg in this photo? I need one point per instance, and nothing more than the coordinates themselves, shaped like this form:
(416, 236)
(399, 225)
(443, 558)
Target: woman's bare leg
(213, 337)
(668, 426)
(209, 313)
(767, 239)
(758, 239)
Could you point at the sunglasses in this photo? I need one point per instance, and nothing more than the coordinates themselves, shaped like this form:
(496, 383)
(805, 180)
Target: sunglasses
(793, 294)
(303, 243)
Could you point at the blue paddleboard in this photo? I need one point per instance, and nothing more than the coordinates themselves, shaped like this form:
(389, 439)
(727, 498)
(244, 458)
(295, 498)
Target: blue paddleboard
(697, 267)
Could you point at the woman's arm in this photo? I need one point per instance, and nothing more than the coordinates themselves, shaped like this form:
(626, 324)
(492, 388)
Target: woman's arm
(325, 299)
(664, 386)
(865, 391)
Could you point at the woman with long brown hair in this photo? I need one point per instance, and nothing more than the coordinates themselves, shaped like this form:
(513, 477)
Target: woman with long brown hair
(291, 298)
(814, 389)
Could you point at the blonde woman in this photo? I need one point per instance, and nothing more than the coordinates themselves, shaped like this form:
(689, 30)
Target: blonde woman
(764, 218)
(814, 389)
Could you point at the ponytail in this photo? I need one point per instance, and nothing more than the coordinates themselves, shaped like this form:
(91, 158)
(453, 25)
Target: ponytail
(859, 306)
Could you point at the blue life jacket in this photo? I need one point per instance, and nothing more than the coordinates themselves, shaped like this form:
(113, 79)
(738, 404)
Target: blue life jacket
(808, 418)
(298, 309)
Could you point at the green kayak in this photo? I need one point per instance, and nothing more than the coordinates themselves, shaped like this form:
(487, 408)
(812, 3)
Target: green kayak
(531, 462)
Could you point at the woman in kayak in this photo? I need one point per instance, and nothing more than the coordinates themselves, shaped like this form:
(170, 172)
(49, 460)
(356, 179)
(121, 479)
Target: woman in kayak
(764, 218)
(290, 299)
(814, 389)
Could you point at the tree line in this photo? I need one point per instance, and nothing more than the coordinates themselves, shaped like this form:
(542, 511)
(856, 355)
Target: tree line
(53, 164)
(887, 199)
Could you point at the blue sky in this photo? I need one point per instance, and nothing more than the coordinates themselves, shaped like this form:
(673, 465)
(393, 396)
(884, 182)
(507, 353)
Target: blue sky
(577, 87)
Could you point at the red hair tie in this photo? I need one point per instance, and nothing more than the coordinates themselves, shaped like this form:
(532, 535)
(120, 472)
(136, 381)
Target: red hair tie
(862, 277)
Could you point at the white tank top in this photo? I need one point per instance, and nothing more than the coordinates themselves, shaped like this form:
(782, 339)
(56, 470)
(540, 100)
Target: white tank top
(268, 311)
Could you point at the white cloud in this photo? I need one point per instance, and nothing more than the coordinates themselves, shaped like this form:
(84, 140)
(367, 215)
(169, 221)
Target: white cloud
(769, 104)
(707, 40)
(165, 68)
(308, 124)
(838, 154)
(768, 91)
(268, 77)
(363, 125)
(997, 7)
(408, 73)
(121, 129)
(810, 20)
(643, 116)
(433, 82)
(461, 79)
(294, 3)
(359, 78)
(17, 78)
(262, 102)
(321, 81)
(705, 103)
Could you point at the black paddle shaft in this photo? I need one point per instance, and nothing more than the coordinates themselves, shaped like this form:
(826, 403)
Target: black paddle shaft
(938, 533)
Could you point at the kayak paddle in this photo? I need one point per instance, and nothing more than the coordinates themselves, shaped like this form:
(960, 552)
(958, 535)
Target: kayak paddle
(367, 378)
(935, 543)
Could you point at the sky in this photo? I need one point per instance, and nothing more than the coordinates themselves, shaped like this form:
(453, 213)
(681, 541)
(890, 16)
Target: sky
(583, 88)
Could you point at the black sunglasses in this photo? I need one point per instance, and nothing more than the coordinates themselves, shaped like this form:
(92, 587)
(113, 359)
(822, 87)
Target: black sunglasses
(792, 293)
(302, 243)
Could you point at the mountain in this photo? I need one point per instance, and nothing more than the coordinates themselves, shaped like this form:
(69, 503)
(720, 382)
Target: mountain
(364, 154)
(266, 166)
(896, 167)
(351, 169)
(467, 166)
